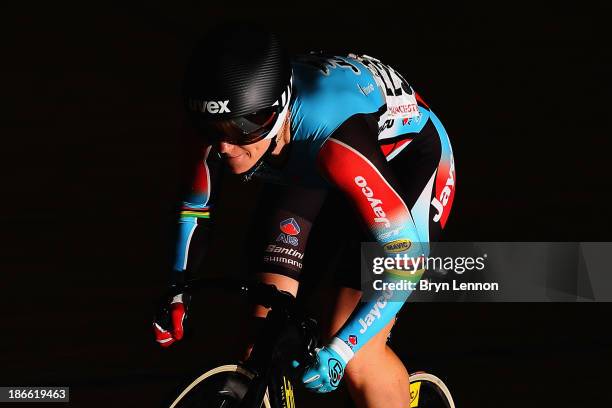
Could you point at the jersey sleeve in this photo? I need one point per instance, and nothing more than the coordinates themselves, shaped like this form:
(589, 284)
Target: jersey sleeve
(352, 161)
(195, 216)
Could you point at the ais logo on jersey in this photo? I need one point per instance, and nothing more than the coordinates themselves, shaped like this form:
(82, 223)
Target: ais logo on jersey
(289, 228)
(352, 340)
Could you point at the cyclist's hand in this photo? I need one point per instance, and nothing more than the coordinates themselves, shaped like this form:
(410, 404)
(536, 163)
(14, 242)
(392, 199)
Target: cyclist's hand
(169, 322)
(326, 372)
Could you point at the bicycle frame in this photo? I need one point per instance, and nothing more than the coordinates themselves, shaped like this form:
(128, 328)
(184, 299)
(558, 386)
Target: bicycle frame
(264, 360)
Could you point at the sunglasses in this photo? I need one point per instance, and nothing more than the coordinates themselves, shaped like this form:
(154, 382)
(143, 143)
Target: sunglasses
(243, 130)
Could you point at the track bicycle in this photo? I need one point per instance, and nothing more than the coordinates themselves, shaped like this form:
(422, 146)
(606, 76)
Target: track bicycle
(265, 378)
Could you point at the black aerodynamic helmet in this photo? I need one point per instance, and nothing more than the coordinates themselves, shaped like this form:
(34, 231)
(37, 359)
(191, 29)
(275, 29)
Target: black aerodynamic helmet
(238, 84)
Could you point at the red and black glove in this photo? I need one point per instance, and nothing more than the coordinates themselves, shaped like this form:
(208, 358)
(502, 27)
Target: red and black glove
(170, 319)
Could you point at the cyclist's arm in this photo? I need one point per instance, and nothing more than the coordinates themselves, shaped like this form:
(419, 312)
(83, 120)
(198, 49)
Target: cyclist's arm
(352, 161)
(195, 216)
(191, 244)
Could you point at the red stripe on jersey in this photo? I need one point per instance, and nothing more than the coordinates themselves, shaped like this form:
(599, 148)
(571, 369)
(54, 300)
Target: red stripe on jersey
(420, 100)
(445, 191)
(378, 204)
(390, 148)
(201, 183)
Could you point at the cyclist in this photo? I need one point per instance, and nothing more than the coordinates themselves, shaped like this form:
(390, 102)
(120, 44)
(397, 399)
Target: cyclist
(341, 132)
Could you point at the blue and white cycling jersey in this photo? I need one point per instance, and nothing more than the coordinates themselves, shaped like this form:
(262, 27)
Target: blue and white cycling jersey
(403, 196)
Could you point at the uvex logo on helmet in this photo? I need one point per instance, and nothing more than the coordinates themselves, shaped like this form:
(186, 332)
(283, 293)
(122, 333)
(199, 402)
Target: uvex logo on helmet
(199, 105)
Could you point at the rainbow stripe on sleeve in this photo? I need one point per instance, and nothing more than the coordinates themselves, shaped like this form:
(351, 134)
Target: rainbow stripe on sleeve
(203, 212)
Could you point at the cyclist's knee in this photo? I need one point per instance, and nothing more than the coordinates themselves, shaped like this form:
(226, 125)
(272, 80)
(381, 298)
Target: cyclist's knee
(281, 282)
(363, 361)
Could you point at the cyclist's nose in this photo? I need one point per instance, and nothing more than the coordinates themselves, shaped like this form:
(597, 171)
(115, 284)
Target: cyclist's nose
(226, 148)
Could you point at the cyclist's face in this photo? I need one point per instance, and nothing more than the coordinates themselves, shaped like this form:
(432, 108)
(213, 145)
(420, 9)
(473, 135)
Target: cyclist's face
(241, 158)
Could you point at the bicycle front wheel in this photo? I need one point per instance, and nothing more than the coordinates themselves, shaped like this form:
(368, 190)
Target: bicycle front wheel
(222, 387)
(428, 391)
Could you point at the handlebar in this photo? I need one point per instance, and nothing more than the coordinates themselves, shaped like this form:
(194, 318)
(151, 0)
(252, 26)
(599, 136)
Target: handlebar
(281, 302)
(257, 292)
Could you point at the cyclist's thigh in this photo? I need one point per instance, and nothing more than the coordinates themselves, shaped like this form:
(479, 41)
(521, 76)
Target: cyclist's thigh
(275, 245)
(277, 238)
(334, 240)
(334, 263)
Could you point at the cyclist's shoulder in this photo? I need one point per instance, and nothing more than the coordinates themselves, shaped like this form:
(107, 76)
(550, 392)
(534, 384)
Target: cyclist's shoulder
(319, 77)
(320, 66)
(328, 91)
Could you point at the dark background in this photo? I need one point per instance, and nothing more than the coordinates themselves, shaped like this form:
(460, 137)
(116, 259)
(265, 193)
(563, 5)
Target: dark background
(92, 158)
